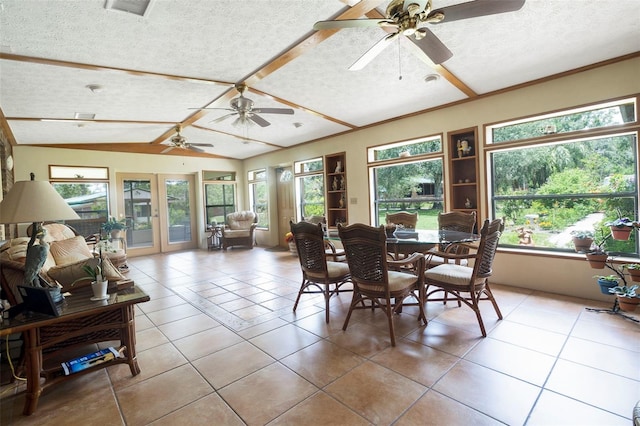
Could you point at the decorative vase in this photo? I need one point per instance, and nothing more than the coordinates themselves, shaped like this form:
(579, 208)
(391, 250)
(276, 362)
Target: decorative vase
(99, 289)
(292, 247)
(582, 244)
(620, 233)
(597, 260)
(628, 304)
(605, 285)
(116, 233)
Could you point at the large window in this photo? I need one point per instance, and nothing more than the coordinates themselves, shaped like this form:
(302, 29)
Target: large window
(86, 191)
(219, 195)
(409, 177)
(309, 183)
(553, 187)
(258, 196)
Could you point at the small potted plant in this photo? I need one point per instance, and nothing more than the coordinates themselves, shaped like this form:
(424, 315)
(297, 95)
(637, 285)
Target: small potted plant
(634, 271)
(582, 240)
(621, 227)
(114, 227)
(627, 297)
(607, 282)
(596, 255)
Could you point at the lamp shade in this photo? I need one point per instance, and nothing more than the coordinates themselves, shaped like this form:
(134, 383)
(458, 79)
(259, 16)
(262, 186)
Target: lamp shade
(34, 201)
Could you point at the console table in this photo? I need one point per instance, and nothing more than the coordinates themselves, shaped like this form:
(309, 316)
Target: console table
(81, 321)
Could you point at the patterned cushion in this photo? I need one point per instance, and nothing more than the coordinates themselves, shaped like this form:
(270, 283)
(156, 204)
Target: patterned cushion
(67, 274)
(70, 250)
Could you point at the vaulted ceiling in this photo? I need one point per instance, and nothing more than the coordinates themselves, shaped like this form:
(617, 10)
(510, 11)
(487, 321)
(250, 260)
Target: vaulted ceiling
(130, 79)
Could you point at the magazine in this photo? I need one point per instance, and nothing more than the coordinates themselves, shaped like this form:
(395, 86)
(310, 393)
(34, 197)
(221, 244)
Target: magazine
(89, 360)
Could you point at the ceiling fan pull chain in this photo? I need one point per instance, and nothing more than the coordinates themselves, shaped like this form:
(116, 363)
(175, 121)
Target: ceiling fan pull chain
(399, 61)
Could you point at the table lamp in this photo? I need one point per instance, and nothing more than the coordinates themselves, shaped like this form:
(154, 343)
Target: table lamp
(36, 202)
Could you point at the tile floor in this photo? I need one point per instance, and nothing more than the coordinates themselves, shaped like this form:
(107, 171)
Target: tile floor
(218, 344)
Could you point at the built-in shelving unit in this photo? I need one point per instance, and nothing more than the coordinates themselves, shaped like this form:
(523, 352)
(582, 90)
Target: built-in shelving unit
(463, 169)
(336, 189)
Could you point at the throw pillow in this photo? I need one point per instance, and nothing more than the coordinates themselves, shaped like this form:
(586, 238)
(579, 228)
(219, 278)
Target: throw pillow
(67, 274)
(70, 250)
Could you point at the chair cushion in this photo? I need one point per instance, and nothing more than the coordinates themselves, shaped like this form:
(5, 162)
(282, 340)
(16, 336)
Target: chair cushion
(334, 270)
(57, 232)
(70, 250)
(437, 260)
(397, 281)
(67, 274)
(450, 273)
(241, 220)
(237, 233)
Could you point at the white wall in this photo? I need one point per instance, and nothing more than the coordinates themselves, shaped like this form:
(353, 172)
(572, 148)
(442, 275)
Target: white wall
(564, 274)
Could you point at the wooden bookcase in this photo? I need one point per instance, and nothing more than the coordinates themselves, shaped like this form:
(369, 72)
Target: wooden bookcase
(463, 170)
(336, 189)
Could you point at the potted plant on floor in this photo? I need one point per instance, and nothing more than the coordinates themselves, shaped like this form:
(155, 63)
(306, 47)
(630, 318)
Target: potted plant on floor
(627, 297)
(582, 240)
(607, 282)
(634, 271)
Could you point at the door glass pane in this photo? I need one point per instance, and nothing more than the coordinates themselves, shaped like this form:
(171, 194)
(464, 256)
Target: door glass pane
(137, 207)
(178, 210)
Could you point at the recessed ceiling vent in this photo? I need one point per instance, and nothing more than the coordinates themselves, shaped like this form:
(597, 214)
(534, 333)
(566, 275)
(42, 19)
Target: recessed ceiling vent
(137, 7)
(84, 116)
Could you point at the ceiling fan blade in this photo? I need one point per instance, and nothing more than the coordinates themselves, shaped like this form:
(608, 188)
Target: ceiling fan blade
(273, 111)
(431, 45)
(194, 149)
(353, 23)
(477, 8)
(167, 149)
(219, 119)
(373, 52)
(259, 120)
(201, 144)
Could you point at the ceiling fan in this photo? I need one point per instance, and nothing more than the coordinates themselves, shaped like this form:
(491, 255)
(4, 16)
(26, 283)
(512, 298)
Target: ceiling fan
(243, 108)
(179, 141)
(408, 17)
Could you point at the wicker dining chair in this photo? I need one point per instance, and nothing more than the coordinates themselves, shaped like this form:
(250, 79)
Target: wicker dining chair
(319, 275)
(373, 277)
(404, 219)
(467, 284)
(453, 221)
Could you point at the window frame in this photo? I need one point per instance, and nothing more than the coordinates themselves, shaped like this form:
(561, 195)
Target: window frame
(225, 179)
(299, 176)
(254, 178)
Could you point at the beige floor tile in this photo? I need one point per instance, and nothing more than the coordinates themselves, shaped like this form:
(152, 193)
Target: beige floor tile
(230, 364)
(210, 410)
(533, 338)
(275, 387)
(172, 314)
(159, 303)
(487, 390)
(149, 338)
(550, 321)
(451, 340)
(284, 341)
(152, 362)
(594, 387)
(603, 357)
(152, 399)
(438, 410)
(382, 395)
(516, 361)
(322, 362)
(200, 344)
(421, 363)
(319, 409)
(553, 409)
(181, 328)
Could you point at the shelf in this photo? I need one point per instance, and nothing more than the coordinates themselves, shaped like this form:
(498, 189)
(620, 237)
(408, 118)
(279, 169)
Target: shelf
(336, 189)
(463, 171)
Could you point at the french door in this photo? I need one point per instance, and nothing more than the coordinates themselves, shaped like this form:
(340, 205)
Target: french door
(159, 210)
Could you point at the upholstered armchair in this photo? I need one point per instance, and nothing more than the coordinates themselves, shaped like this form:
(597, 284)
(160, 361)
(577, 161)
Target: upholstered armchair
(238, 231)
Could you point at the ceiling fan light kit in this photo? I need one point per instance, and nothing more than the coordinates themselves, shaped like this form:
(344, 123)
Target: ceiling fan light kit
(179, 141)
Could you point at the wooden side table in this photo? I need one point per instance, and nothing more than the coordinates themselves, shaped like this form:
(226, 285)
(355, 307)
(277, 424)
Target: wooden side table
(81, 321)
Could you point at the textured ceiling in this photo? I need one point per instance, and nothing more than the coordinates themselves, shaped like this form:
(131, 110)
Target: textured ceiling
(187, 54)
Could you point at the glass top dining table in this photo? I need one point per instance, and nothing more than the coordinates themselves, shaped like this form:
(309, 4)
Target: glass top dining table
(406, 242)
